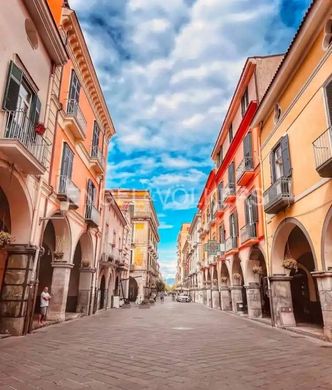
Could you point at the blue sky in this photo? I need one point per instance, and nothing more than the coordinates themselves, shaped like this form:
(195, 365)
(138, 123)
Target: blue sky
(168, 70)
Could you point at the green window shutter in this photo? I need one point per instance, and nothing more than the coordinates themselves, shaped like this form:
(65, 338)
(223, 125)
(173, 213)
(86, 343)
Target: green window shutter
(286, 163)
(14, 80)
(35, 110)
(328, 91)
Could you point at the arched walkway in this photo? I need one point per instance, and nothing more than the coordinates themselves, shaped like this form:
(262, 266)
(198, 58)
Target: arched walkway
(293, 254)
(102, 295)
(239, 296)
(133, 289)
(225, 292)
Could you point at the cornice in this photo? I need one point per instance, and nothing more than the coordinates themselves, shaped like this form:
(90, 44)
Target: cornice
(80, 52)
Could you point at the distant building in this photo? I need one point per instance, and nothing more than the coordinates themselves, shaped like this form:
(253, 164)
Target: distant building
(181, 266)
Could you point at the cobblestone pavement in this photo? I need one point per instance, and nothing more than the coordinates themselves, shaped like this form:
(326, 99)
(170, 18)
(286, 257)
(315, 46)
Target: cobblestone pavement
(170, 346)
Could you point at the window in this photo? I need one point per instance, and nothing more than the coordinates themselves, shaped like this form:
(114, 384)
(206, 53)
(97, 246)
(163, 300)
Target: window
(91, 193)
(327, 40)
(74, 94)
(230, 133)
(233, 225)
(222, 234)
(95, 140)
(66, 167)
(244, 102)
(23, 104)
(220, 193)
(247, 151)
(328, 94)
(251, 209)
(231, 175)
(220, 156)
(280, 160)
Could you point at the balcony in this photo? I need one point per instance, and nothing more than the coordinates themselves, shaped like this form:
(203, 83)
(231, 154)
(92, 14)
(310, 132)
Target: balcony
(68, 192)
(248, 234)
(231, 245)
(245, 171)
(97, 159)
(74, 120)
(278, 196)
(92, 215)
(229, 193)
(323, 154)
(22, 145)
(220, 210)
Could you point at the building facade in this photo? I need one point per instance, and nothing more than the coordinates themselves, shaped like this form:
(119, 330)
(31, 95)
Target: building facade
(233, 268)
(144, 268)
(180, 268)
(30, 69)
(294, 120)
(194, 259)
(114, 263)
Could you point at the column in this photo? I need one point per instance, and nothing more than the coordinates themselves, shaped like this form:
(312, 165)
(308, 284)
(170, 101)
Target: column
(254, 300)
(225, 298)
(84, 290)
(59, 290)
(236, 293)
(17, 295)
(215, 298)
(282, 301)
(324, 285)
(208, 294)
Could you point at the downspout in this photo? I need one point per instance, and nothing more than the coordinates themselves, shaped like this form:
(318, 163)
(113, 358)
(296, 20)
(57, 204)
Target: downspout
(265, 230)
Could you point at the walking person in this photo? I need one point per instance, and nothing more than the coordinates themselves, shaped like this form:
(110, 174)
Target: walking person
(162, 297)
(45, 298)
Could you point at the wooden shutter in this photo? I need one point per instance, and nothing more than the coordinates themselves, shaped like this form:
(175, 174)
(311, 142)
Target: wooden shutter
(67, 161)
(12, 90)
(328, 91)
(254, 206)
(231, 175)
(286, 163)
(35, 110)
(272, 168)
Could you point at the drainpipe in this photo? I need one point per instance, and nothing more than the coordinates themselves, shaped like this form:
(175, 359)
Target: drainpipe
(265, 231)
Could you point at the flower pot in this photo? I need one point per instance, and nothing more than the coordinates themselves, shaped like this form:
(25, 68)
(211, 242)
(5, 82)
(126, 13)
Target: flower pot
(40, 129)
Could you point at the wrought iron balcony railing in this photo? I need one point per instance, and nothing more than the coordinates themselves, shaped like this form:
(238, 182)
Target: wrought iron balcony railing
(68, 190)
(278, 196)
(248, 232)
(74, 111)
(231, 243)
(92, 215)
(245, 171)
(323, 153)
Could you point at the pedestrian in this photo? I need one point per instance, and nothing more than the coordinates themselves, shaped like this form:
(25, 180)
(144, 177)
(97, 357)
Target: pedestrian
(162, 297)
(45, 298)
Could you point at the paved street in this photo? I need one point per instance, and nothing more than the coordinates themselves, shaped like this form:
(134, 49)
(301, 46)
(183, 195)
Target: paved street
(170, 346)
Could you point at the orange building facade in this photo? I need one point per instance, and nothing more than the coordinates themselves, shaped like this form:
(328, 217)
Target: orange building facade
(232, 231)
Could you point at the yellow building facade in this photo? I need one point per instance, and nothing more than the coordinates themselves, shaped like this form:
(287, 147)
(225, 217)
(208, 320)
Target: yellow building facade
(294, 119)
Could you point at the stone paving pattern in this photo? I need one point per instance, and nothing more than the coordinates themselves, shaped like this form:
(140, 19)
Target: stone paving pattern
(170, 346)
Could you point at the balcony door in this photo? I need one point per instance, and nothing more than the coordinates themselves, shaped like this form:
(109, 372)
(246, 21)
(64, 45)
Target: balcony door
(74, 93)
(251, 213)
(95, 140)
(233, 225)
(247, 151)
(231, 175)
(91, 193)
(66, 167)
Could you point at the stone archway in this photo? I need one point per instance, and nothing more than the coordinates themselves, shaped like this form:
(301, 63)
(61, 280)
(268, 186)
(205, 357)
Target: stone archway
(294, 290)
(133, 289)
(238, 291)
(102, 290)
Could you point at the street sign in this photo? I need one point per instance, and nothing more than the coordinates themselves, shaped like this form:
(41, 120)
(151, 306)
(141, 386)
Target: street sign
(212, 247)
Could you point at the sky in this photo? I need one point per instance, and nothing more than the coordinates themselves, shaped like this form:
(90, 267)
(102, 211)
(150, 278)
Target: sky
(168, 69)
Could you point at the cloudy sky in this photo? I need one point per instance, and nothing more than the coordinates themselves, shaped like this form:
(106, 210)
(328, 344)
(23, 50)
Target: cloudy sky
(168, 69)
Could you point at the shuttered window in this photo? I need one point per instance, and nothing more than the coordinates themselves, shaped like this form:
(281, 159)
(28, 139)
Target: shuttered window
(328, 92)
(247, 151)
(280, 160)
(67, 161)
(231, 175)
(95, 139)
(244, 102)
(251, 209)
(220, 193)
(233, 225)
(91, 193)
(75, 87)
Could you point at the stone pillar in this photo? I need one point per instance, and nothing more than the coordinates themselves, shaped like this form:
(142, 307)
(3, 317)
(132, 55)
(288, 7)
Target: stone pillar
(16, 300)
(208, 295)
(324, 285)
(84, 290)
(215, 298)
(205, 291)
(254, 300)
(282, 301)
(225, 298)
(59, 290)
(236, 293)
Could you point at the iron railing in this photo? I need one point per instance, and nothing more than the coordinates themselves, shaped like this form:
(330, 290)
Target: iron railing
(245, 165)
(92, 214)
(323, 148)
(229, 190)
(97, 154)
(69, 189)
(21, 128)
(279, 191)
(248, 232)
(74, 110)
(230, 243)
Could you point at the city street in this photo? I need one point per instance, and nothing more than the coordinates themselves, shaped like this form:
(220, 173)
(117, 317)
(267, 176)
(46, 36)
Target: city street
(169, 346)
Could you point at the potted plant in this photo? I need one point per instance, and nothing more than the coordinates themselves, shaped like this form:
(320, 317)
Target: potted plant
(5, 239)
(40, 129)
(290, 263)
(237, 277)
(257, 269)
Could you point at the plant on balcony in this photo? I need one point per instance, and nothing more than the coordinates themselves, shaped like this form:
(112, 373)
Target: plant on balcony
(257, 269)
(289, 263)
(5, 239)
(40, 129)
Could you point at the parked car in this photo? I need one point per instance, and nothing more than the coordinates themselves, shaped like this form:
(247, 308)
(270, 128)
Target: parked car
(183, 298)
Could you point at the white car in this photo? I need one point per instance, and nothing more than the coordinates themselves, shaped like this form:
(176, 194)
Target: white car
(183, 298)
